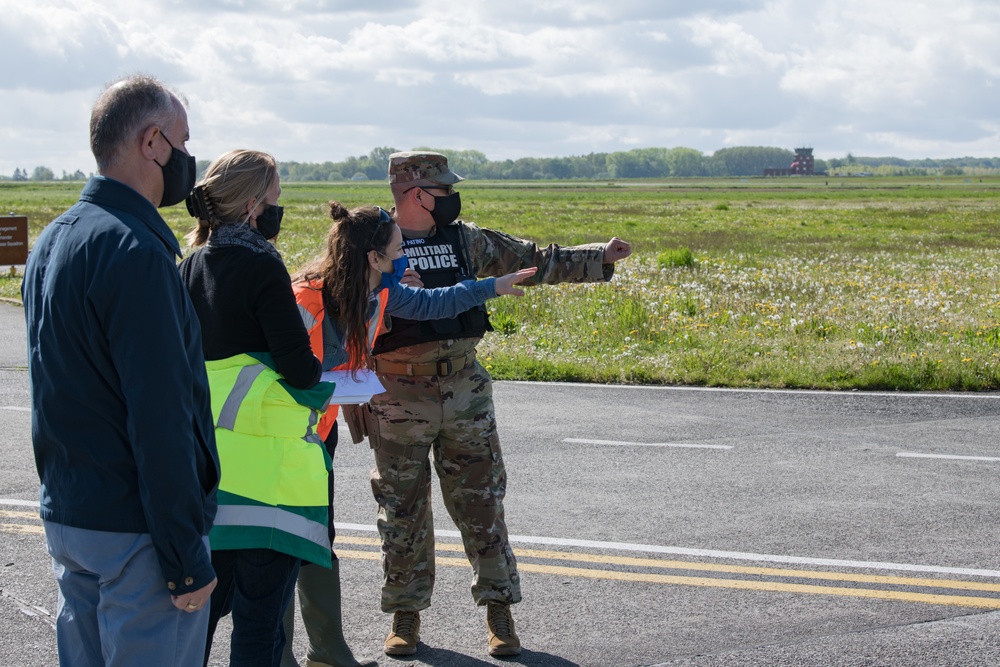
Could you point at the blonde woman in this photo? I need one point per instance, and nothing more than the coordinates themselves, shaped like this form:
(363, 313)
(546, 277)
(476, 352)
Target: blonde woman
(273, 495)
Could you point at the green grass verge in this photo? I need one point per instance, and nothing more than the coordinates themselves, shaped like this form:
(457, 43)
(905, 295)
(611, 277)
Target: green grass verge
(872, 284)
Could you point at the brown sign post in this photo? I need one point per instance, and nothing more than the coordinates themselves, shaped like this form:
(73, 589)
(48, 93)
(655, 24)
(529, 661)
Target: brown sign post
(13, 240)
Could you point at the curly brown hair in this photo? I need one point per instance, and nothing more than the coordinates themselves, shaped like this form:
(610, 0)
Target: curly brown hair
(343, 270)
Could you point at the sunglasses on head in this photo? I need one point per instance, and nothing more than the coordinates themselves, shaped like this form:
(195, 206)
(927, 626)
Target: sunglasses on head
(383, 217)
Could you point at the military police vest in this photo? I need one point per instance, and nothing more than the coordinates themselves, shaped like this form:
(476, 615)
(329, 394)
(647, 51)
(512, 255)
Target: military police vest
(441, 260)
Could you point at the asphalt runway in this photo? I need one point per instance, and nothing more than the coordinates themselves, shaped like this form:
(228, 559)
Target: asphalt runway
(658, 526)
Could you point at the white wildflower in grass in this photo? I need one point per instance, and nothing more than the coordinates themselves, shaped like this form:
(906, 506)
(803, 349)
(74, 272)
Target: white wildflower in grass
(807, 309)
(886, 284)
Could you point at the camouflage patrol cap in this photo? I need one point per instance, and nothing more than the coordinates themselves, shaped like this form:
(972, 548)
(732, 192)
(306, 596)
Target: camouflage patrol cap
(415, 169)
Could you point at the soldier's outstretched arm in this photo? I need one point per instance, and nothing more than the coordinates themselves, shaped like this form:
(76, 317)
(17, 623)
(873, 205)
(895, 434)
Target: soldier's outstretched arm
(496, 253)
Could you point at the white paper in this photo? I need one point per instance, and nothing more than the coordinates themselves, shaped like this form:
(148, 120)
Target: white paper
(349, 390)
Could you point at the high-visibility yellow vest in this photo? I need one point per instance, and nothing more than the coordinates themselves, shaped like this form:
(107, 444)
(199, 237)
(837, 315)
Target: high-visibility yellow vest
(274, 491)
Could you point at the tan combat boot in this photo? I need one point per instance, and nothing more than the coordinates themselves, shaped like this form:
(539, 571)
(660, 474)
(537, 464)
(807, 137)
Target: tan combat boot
(405, 634)
(502, 639)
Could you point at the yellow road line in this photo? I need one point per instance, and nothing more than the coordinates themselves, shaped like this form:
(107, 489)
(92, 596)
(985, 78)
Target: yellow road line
(711, 582)
(761, 571)
(714, 582)
(704, 582)
(21, 528)
(715, 567)
(370, 541)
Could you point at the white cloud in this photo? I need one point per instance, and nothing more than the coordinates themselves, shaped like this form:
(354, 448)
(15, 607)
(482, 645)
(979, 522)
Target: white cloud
(316, 80)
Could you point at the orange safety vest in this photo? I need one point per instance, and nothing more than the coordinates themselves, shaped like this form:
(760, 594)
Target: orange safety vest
(309, 297)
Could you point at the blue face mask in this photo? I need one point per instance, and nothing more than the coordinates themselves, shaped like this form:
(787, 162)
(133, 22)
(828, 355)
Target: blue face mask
(399, 266)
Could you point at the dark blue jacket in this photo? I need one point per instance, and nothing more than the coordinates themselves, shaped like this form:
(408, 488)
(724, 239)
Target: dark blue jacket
(121, 418)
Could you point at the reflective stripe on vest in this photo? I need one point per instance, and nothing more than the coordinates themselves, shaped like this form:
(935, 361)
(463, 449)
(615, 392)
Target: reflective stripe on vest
(376, 321)
(307, 317)
(311, 434)
(273, 517)
(231, 408)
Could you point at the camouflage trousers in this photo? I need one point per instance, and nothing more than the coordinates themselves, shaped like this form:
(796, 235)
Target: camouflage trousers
(452, 417)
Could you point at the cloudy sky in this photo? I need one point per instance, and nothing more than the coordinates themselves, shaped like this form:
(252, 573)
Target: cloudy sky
(318, 80)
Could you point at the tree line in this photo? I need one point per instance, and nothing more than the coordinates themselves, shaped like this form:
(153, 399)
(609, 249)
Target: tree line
(635, 163)
(680, 162)
(738, 161)
(44, 174)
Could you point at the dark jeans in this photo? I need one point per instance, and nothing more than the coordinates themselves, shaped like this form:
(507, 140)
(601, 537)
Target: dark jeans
(331, 448)
(256, 585)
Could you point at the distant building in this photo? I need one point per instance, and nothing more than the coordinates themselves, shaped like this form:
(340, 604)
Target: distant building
(802, 165)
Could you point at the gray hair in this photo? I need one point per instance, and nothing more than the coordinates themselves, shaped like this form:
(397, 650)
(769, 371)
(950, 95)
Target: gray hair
(126, 109)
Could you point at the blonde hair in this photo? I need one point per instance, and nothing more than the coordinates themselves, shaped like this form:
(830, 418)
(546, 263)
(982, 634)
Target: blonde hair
(230, 182)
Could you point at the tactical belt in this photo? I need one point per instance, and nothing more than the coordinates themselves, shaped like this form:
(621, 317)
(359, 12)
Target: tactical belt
(439, 367)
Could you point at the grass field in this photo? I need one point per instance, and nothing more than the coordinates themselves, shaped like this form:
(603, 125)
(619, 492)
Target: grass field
(818, 283)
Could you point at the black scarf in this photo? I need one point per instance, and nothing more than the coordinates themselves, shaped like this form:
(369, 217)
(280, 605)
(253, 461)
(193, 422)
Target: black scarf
(243, 235)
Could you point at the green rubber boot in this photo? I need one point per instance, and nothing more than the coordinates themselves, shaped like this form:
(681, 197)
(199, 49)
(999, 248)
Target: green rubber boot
(319, 602)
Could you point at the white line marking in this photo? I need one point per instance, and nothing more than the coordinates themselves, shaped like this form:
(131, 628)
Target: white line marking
(21, 503)
(15, 407)
(619, 443)
(681, 551)
(914, 455)
(708, 553)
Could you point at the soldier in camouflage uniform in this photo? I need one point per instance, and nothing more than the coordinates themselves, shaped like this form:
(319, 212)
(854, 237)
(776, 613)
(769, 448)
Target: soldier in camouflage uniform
(439, 398)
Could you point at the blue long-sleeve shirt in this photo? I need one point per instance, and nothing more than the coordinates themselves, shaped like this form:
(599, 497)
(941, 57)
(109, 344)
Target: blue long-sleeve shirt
(413, 304)
(442, 302)
(121, 418)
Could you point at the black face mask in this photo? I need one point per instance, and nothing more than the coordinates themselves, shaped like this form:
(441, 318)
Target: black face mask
(179, 174)
(446, 209)
(269, 221)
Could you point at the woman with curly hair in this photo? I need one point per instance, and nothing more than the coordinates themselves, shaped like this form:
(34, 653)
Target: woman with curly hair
(346, 298)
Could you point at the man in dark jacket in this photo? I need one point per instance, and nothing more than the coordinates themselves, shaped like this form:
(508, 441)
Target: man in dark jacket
(121, 419)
